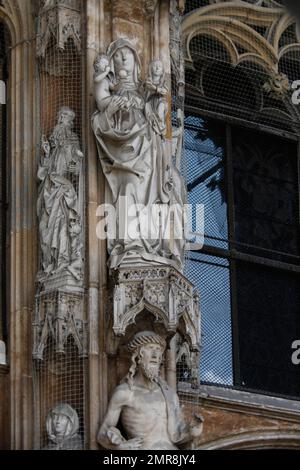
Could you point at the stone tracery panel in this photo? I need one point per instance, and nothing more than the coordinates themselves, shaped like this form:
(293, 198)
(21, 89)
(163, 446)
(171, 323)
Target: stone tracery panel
(256, 37)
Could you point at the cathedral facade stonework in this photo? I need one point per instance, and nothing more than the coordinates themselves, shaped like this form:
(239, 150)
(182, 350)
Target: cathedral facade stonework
(102, 345)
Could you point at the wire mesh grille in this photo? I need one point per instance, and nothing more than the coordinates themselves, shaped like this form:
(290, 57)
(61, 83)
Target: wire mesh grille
(210, 275)
(227, 80)
(268, 306)
(266, 195)
(61, 381)
(262, 203)
(59, 323)
(204, 157)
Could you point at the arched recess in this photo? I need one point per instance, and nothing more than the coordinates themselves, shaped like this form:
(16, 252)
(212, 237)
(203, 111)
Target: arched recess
(255, 38)
(256, 440)
(18, 17)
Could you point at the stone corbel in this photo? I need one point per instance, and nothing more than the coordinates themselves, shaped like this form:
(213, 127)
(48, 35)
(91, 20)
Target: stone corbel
(61, 20)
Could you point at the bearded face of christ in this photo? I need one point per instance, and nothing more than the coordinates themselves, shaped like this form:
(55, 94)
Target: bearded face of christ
(150, 360)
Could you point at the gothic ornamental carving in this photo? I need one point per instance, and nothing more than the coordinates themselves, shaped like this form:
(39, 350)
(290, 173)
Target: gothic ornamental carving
(146, 406)
(129, 127)
(160, 290)
(59, 317)
(187, 364)
(277, 86)
(258, 35)
(60, 207)
(178, 78)
(60, 20)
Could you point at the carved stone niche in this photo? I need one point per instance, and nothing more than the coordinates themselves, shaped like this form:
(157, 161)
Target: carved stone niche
(59, 20)
(160, 290)
(187, 363)
(57, 318)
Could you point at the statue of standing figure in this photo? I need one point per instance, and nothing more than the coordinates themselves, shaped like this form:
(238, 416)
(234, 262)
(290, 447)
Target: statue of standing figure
(146, 407)
(156, 102)
(129, 127)
(59, 206)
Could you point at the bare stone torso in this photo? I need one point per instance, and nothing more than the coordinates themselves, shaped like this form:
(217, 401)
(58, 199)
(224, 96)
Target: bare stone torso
(145, 415)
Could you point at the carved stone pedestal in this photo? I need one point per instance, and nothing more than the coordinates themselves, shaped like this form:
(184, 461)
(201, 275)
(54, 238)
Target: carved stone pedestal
(57, 281)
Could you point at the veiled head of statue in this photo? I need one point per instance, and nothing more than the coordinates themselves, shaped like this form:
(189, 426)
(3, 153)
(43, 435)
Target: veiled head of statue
(62, 422)
(124, 59)
(66, 116)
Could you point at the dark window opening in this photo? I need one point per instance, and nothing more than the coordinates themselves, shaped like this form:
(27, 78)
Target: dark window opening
(248, 270)
(4, 43)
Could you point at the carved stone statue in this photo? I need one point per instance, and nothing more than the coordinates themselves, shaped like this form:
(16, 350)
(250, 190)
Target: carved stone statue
(148, 409)
(134, 157)
(62, 426)
(103, 81)
(59, 206)
(156, 91)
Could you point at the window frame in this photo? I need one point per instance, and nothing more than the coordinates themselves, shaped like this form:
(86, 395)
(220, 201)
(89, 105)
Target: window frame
(232, 254)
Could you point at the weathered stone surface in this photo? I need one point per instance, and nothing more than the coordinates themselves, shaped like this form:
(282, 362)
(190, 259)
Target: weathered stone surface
(238, 428)
(133, 10)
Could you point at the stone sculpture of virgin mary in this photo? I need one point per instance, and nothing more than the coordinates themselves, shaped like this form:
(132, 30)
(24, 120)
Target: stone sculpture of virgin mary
(133, 158)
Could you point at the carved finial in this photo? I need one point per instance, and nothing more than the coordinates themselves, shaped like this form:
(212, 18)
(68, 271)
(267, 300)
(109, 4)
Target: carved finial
(59, 19)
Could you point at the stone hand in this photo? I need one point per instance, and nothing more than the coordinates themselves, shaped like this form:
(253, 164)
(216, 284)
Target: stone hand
(45, 146)
(115, 436)
(79, 153)
(132, 444)
(116, 103)
(196, 429)
(150, 86)
(162, 91)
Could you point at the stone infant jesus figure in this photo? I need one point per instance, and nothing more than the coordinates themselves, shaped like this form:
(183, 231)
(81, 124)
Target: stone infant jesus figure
(147, 408)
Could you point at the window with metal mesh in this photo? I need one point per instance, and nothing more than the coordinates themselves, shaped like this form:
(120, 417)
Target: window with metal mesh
(265, 195)
(210, 275)
(204, 163)
(241, 162)
(263, 209)
(268, 303)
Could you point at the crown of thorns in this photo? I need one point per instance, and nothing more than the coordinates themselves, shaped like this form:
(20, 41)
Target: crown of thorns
(145, 337)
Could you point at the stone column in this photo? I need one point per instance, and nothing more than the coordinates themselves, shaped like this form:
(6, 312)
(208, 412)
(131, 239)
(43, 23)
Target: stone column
(98, 26)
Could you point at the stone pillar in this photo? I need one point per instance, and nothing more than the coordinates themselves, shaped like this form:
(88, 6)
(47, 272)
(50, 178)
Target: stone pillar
(98, 21)
(22, 236)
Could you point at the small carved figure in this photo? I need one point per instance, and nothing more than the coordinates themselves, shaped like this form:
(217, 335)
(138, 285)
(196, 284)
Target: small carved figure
(76, 248)
(148, 409)
(103, 80)
(60, 193)
(156, 91)
(62, 426)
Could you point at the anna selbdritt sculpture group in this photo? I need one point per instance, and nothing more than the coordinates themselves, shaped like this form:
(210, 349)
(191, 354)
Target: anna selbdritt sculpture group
(130, 127)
